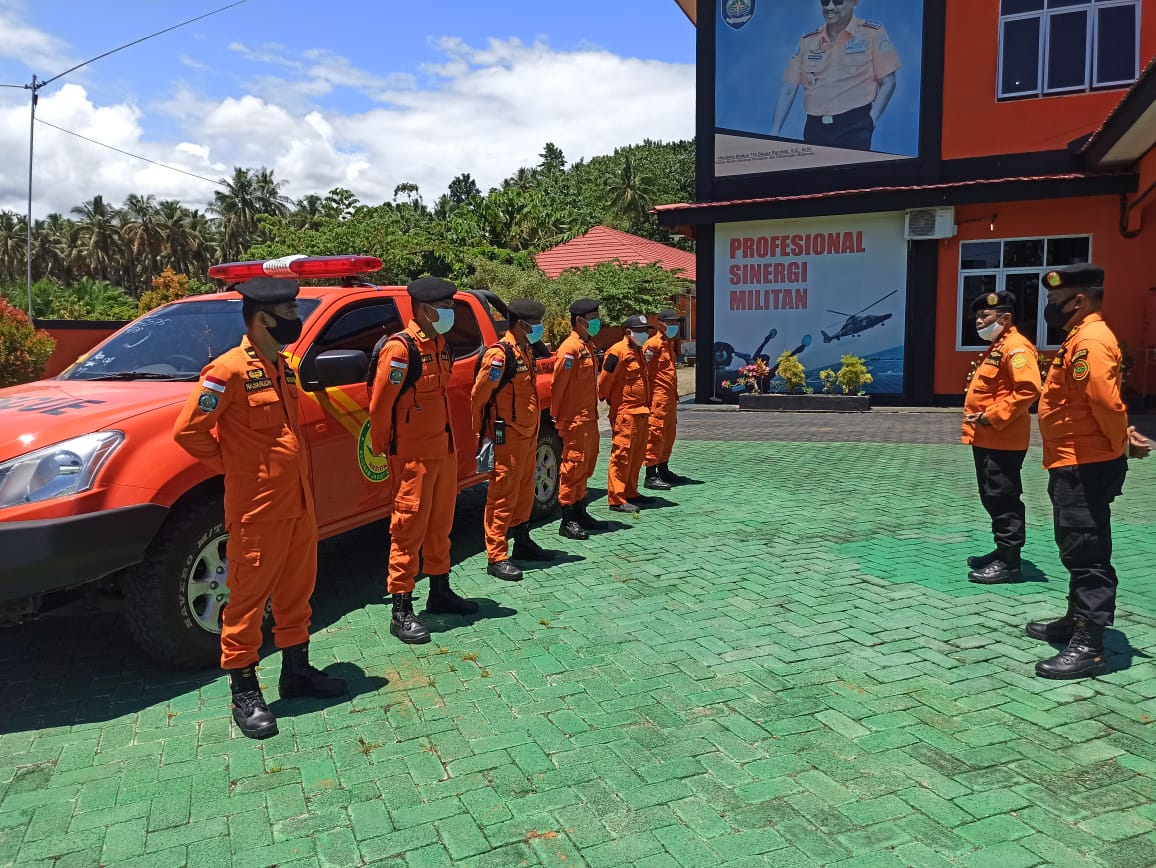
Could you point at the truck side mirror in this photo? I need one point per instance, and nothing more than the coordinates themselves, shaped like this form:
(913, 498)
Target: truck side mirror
(341, 368)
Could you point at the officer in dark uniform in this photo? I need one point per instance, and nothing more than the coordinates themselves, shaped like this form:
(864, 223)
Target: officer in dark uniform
(1087, 441)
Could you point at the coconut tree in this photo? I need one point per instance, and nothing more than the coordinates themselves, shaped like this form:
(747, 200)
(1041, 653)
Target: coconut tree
(101, 240)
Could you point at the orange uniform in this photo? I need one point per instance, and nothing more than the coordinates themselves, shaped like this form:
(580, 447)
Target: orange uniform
(842, 74)
(574, 403)
(1003, 388)
(413, 429)
(510, 498)
(625, 384)
(272, 548)
(660, 352)
(1083, 419)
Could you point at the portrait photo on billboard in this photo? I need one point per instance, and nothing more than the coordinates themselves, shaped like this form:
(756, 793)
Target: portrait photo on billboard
(819, 288)
(807, 84)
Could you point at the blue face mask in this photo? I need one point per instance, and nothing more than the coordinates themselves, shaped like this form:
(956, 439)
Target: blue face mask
(672, 331)
(444, 321)
(536, 332)
(593, 326)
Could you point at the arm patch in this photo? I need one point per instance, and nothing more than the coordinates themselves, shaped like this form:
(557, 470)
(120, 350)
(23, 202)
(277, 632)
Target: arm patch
(610, 364)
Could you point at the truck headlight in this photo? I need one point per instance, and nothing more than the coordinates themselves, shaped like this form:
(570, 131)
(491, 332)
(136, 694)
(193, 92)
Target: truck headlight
(56, 471)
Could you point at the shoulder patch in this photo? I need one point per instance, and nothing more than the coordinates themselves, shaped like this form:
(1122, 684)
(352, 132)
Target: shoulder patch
(398, 363)
(1081, 369)
(610, 363)
(208, 401)
(1018, 360)
(216, 384)
(1079, 354)
(396, 375)
(874, 25)
(568, 363)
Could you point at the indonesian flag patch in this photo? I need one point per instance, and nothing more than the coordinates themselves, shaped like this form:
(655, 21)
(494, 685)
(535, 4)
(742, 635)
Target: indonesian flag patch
(215, 384)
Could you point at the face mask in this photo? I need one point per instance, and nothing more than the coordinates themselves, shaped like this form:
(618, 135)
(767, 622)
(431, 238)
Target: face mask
(444, 321)
(672, 331)
(639, 338)
(536, 332)
(284, 331)
(593, 326)
(990, 332)
(1054, 314)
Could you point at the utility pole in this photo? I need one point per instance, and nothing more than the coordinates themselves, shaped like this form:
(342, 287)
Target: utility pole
(35, 88)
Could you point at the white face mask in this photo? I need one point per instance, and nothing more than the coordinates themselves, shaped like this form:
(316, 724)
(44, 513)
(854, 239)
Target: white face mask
(639, 338)
(991, 332)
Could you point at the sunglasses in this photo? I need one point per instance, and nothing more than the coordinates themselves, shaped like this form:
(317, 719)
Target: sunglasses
(832, 2)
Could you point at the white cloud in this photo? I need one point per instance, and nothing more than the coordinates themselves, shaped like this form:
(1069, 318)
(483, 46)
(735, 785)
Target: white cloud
(486, 111)
(34, 48)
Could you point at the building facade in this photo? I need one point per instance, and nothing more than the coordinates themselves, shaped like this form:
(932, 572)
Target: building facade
(867, 168)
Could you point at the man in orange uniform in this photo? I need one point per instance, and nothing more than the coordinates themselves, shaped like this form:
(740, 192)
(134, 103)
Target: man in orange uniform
(409, 420)
(997, 424)
(249, 394)
(574, 403)
(625, 386)
(660, 354)
(504, 402)
(1087, 441)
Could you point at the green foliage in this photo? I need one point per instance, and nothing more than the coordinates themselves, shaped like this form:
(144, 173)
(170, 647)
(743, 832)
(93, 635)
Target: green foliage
(23, 350)
(169, 286)
(828, 379)
(792, 372)
(853, 376)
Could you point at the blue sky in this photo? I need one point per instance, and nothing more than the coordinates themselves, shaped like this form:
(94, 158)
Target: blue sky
(385, 92)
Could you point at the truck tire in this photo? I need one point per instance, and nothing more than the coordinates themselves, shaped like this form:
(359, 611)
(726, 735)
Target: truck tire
(173, 598)
(547, 468)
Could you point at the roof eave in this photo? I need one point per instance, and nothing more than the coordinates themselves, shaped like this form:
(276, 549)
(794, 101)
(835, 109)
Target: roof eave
(1129, 132)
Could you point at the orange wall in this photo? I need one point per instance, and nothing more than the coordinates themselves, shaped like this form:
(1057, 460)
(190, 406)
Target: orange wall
(71, 343)
(1130, 267)
(976, 125)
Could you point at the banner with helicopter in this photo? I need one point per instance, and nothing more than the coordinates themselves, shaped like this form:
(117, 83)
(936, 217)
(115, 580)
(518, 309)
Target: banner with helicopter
(819, 287)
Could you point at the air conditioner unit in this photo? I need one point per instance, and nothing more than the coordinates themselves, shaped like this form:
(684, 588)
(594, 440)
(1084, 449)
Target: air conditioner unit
(923, 223)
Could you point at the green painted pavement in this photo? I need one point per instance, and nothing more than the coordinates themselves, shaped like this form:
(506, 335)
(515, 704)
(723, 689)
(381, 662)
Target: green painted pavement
(784, 666)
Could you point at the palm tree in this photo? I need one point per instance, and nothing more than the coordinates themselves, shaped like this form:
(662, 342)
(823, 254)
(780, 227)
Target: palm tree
(247, 194)
(142, 231)
(13, 246)
(631, 193)
(101, 241)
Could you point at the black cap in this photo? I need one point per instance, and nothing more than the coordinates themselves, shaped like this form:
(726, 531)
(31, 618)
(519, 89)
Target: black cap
(636, 323)
(526, 309)
(431, 290)
(994, 301)
(668, 314)
(269, 290)
(1079, 276)
(583, 307)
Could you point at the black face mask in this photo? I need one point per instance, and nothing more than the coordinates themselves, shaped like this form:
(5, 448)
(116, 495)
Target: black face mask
(286, 330)
(1054, 314)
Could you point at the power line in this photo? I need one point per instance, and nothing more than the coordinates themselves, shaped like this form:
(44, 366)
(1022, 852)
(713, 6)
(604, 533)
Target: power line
(129, 154)
(138, 41)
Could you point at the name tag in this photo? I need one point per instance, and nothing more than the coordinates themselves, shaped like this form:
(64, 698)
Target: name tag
(856, 46)
(814, 58)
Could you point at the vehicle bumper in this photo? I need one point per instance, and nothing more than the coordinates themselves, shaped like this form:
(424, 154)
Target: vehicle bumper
(37, 557)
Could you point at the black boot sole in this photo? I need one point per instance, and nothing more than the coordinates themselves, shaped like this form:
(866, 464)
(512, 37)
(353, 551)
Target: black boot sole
(1006, 579)
(656, 486)
(257, 733)
(1089, 672)
(409, 639)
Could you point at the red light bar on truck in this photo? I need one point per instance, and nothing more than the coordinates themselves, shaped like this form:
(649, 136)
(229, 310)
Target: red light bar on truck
(300, 267)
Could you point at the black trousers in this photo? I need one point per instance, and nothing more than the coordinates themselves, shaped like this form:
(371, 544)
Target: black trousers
(852, 130)
(1081, 507)
(998, 473)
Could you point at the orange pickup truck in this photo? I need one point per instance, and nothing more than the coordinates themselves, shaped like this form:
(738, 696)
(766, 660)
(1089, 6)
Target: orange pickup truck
(93, 488)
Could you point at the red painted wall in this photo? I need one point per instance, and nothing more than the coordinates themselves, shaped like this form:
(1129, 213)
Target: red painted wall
(72, 339)
(976, 125)
(1130, 267)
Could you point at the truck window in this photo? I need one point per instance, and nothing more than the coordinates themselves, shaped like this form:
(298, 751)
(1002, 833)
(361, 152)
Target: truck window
(357, 327)
(465, 338)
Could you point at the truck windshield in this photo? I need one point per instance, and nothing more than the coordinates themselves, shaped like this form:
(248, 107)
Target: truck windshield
(173, 342)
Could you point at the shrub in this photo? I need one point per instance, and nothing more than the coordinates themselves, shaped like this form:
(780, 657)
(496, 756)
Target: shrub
(792, 372)
(168, 286)
(827, 378)
(853, 376)
(23, 350)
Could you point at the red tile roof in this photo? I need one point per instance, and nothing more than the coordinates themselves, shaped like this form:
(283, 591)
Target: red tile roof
(834, 194)
(1130, 94)
(603, 244)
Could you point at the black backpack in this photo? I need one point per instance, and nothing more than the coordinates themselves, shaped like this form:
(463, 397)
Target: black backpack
(413, 373)
(509, 369)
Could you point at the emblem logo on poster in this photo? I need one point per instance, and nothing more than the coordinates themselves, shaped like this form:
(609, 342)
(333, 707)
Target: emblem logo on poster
(737, 14)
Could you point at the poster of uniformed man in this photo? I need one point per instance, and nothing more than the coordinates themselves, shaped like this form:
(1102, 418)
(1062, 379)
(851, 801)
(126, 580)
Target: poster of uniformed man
(815, 83)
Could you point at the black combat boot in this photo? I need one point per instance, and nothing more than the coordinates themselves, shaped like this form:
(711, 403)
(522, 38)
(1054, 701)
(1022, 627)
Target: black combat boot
(505, 571)
(627, 507)
(653, 481)
(667, 475)
(585, 520)
(443, 600)
(299, 678)
(978, 562)
(250, 712)
(570, 527)
(404, 624)
(1005, 568)
(1083, 658)
(525, 549)
(1059, 630)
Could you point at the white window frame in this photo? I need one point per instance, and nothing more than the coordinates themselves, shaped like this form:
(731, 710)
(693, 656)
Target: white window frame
(1000, 274)
(1092, 9)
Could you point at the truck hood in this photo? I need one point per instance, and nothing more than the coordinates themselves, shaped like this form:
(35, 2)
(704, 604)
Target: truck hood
(50, 411)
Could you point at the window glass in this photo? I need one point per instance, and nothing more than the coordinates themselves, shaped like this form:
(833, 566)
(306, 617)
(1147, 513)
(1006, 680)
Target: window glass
(1023, 254)
(1068, 251)
(1115, 44)
(359, 327)
(1013, 7)
(1067, 51)
(1020, 55)
(1026, 289)
(465, 338)
(979, 254)
(974, 285)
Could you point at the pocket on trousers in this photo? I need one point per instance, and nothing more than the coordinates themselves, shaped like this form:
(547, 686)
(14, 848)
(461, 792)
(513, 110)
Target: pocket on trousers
(242, 547)
(406, 505)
